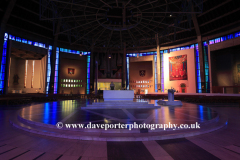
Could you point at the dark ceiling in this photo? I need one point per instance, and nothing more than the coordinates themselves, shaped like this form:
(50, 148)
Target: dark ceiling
(23, 54)
(101, 23)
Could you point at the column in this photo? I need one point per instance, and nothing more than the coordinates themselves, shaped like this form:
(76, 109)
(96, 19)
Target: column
(202, 71)
(54, 59)
(158, 64)
(124, 66)
(92, 71)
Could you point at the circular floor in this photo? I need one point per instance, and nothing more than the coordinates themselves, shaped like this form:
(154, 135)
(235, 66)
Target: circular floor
(42, 119)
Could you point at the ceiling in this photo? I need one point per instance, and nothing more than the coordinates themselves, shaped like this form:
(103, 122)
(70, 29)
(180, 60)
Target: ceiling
(28, 55)
(112, 24)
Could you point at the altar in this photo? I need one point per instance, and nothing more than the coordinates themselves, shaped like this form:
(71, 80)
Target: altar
(118, 95)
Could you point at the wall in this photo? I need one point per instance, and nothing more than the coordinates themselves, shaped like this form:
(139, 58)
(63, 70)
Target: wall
(80, 73)
(224, 67)
(18, 67)
(137, 64)
(191, 71)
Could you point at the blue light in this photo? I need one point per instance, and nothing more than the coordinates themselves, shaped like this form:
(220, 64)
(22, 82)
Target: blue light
(56, 71)
(48, 69)
(12, 37)
(30, 42)
(54, 113)
(18, 39)
(223, 38)
(3, 63)
(198, 70)
(217, 40)
(41, 45)
(24, 41)
(127, 73)
(46, 113)
(230, 36)
(237, 34)
(201, 112)
(35, 44)
(88, 71)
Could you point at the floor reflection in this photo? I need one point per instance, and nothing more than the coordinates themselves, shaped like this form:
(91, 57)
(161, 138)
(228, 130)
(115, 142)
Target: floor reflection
(70, 112)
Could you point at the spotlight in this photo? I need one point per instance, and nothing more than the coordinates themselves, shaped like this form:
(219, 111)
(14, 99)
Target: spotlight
(109, 56)
(80, 54)
(170, 15)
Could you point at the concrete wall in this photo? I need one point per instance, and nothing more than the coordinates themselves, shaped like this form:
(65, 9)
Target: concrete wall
(137, 64)
(80, 66)
(228, 77)
(18, 67)
(191, 71)
(224, 67)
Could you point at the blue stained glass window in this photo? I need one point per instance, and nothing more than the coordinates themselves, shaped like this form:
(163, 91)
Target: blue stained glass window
(30, 42)
(223, 38)
(3, 64)
(198, 70)
(48, 69)
(18, 39)
(88, 72)
(12, 37)
(217, 40)
(24, 41)
(237, 34)
(35, 43)
(230, 36)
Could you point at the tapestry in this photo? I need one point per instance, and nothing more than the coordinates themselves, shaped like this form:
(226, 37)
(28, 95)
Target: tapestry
(71, 71)
(178, 68)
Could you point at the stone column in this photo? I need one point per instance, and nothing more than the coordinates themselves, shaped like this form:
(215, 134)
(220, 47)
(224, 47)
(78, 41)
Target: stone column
(124, 68)
(53, 58)
(158, 63)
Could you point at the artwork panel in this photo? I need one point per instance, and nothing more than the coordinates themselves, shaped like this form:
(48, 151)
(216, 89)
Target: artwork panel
(178, 68)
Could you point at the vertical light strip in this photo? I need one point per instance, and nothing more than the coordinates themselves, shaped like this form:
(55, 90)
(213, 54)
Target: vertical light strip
(127, 58)
(3, 64)
(25, 77)
(48, 69)
(56, 71)
(206, 66)
(33, 64)
(199, 90)
(88, 72)
(155, 73)
(162, 71)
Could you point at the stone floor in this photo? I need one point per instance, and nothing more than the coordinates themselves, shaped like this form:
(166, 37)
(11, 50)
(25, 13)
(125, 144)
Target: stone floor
(17, 144)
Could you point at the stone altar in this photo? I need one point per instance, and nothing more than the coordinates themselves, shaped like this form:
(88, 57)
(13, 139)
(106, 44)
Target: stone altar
(118, 95)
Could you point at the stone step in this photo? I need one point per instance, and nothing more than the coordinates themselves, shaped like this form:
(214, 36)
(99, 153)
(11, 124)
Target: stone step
(119, 103)
(121, 107)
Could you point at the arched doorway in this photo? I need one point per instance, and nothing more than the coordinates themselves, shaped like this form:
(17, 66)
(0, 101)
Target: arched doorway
(183, 88)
